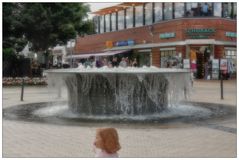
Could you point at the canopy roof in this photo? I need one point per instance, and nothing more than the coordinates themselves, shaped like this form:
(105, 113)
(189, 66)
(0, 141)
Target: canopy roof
(116, 8)
(99, 54)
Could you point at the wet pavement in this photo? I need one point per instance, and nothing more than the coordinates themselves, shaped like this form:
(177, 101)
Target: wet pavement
(211, 138)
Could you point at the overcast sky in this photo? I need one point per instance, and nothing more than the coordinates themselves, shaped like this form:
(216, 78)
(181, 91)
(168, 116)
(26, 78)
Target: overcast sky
(97, 6)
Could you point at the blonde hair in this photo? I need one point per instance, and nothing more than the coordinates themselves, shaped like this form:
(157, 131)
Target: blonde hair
(110, 139)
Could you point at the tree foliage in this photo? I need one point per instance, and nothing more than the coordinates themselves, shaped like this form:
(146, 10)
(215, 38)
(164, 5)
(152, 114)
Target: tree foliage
(12, 27)
(45, 24)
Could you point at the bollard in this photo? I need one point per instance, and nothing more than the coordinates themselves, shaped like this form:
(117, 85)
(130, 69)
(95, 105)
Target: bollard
(22, 91)
(221, 85)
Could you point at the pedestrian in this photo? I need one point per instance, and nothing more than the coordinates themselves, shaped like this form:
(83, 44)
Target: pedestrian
(115, 62)
(123, 63)
(205, 9)
(134, 63)
(106, 143)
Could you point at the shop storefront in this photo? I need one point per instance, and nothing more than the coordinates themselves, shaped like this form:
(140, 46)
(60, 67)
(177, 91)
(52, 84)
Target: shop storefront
(166, 35)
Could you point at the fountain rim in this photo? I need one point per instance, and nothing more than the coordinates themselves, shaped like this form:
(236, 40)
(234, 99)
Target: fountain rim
(224, 110)
(117, 71)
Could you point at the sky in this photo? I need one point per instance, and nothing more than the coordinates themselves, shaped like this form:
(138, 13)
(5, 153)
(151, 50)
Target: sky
(97, 6)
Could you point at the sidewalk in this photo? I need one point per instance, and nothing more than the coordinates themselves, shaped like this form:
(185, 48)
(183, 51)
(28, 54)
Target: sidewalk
(26, 139)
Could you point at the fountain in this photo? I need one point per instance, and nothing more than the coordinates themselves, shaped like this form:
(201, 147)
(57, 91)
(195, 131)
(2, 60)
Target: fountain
(146, 94)
(119, 91)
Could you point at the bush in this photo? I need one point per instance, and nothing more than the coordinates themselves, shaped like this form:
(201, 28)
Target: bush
(10, 81)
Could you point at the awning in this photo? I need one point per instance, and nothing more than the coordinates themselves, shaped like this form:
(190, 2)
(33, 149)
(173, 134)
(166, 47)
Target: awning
(176, 43)
(99, 54)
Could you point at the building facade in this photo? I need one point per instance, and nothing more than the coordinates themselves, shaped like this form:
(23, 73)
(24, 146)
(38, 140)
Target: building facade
(166, 34)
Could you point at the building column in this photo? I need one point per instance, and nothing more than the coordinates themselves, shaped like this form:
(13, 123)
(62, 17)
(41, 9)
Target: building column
(218, 51)
(155, 57)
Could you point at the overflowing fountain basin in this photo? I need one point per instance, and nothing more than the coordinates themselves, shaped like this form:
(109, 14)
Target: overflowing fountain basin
(120, 91)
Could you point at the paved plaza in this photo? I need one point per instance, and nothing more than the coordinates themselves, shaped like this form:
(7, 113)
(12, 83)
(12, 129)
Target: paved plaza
(178, 139)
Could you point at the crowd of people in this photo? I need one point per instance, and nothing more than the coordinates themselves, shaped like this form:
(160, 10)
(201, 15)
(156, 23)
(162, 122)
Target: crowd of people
(115, 62)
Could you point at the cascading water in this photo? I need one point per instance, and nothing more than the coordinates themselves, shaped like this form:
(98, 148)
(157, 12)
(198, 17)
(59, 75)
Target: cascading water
(122, 91)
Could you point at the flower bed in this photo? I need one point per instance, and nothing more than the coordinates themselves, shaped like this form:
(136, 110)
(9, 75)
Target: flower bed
(9, 81)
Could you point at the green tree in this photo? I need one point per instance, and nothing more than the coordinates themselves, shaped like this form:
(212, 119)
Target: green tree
(42, 24)
(12, 27)
(48, 24)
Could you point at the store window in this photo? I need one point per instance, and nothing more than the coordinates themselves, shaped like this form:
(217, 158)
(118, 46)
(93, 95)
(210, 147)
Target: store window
(121, 20)
(148, 13)
(144, 57)
(217, 9)
(107, 22)
(113, 22)
(101, 24)
(226, 10)
(168, 10)
(231, 56)
(138, 16)
(169, 59)
(158, 11)
(129, 17)
(179, 10)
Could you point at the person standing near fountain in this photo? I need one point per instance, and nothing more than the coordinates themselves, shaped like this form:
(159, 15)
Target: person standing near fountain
(123, 63)
(106, 143)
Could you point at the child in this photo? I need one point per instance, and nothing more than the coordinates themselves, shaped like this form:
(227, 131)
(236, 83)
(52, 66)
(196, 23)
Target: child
(106, 143)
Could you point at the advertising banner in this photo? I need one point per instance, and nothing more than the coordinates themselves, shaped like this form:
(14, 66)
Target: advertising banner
(223, 64)
(215, 64)
(186, 63)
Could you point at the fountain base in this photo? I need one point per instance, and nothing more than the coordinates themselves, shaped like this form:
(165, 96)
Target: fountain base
(59, 113)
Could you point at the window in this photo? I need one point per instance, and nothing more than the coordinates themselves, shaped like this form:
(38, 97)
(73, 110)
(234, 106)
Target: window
(96, 27)
(138, 16)
(217, 9)
(168, 11)
(168, 59)
(148, 13)
(231, 54)
(113, 22)
(189, 10)
(129, 17)
(234, 10)
(198, 9)
(121, 20)
(158, 11)
(107, 22)
(226, 10)
(101, 24)
(179, 10)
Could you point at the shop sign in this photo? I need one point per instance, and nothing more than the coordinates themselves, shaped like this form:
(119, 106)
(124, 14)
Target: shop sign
(124, 43)
(215, 64)
(186, 63)
(167, 35)
(223, 64)
(109, 44)
(231, 34)
(202, 33)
